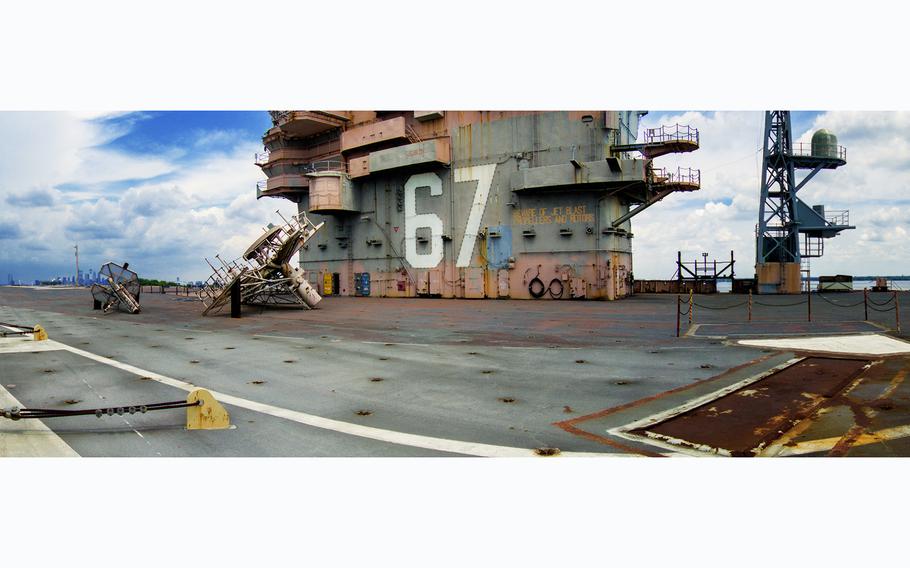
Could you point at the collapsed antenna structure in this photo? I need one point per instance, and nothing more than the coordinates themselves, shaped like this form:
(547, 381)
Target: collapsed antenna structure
(263, 271)
(121, 292)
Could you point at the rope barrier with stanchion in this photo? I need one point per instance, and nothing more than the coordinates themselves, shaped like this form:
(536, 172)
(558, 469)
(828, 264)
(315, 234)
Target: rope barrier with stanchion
(867, 302)
(833, 303)
(739, 305)
(799, 303)
(885, 303)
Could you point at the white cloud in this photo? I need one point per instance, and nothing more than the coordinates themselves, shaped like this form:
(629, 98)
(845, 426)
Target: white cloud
(874, 186)
(47, 149)
(163, 228)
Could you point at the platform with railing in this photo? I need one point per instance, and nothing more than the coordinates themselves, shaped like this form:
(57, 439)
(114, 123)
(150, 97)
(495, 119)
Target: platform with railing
(671, 133)
(661, 140)
(838, 217)
(325, 166)
(279, 116)
(803, 149)
(824, 156)
(683, 179)
(305, 123)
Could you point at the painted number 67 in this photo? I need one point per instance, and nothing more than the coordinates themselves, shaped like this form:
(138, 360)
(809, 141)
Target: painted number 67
(413, 220)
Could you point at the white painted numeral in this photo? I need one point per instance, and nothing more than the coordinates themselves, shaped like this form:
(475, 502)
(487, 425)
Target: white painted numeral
(484, 176)
(414, 221)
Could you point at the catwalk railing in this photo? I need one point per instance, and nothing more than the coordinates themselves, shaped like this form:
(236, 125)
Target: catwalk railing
(673, 133)
(804, 149)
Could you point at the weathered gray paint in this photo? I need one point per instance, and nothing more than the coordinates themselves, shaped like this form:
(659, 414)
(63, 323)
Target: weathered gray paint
(402, 156)
(553, 179)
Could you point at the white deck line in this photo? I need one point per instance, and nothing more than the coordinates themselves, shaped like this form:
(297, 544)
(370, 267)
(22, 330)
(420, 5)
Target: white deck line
(854, 344)
(23, 343)
(827, 444)
(38, 440)
(390, 436)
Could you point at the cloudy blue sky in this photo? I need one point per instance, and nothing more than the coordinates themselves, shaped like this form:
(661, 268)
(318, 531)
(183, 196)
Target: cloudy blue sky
(163, 189)
(158, 189)
(874, 186)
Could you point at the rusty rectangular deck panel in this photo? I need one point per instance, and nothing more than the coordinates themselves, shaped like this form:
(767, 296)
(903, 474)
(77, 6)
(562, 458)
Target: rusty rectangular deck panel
(744, 421)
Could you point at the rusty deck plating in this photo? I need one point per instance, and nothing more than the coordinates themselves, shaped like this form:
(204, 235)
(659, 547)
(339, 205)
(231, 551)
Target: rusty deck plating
(744, 421)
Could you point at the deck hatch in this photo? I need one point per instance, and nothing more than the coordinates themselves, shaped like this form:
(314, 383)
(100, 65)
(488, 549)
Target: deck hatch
(742, 422)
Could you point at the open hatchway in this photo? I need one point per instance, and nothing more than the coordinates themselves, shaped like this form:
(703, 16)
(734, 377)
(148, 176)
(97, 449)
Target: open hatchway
(744, 418)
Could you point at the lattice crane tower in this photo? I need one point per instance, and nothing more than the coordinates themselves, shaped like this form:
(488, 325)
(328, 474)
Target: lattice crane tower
(789, 231)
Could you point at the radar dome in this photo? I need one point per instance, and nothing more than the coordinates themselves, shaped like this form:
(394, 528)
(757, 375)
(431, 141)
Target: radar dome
(824, 144)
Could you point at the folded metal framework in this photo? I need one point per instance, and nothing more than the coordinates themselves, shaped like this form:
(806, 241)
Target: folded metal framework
(263, 272)
(121, 291)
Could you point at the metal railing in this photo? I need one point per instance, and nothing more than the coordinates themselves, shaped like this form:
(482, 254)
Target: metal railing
(659, 175)
(325, 166)
(262, 185)
(279, 115)
(826, 151)
(262, 158)
(411, 134)
(689, 176)
(812, 247)
(839, 217)
(674, 133)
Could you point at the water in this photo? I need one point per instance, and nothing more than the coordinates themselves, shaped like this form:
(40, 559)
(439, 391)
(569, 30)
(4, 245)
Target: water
(725, 286)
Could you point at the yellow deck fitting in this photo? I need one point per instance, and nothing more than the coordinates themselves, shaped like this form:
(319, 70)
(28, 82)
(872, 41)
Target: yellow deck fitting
(209, 415)
(39, 334)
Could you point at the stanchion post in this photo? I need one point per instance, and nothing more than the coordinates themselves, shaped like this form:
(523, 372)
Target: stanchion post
(809, 303)
(866, 303)
(691, 304)
(678, 302)
(235, 299)
(750, 304)
(897, 311)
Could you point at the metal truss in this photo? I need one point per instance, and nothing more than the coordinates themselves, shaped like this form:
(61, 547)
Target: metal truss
(264, 272)
(778, 226)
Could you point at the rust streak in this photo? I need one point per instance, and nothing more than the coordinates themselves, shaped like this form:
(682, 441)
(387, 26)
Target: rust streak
(603, 440)
(614, 409)
(860, 429)
(846, 441)
(895, 382)
(796, 393)
(569, 425)
(787, 439)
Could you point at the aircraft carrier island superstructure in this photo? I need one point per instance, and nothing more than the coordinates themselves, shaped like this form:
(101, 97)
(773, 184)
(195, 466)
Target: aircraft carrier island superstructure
(471, 204)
